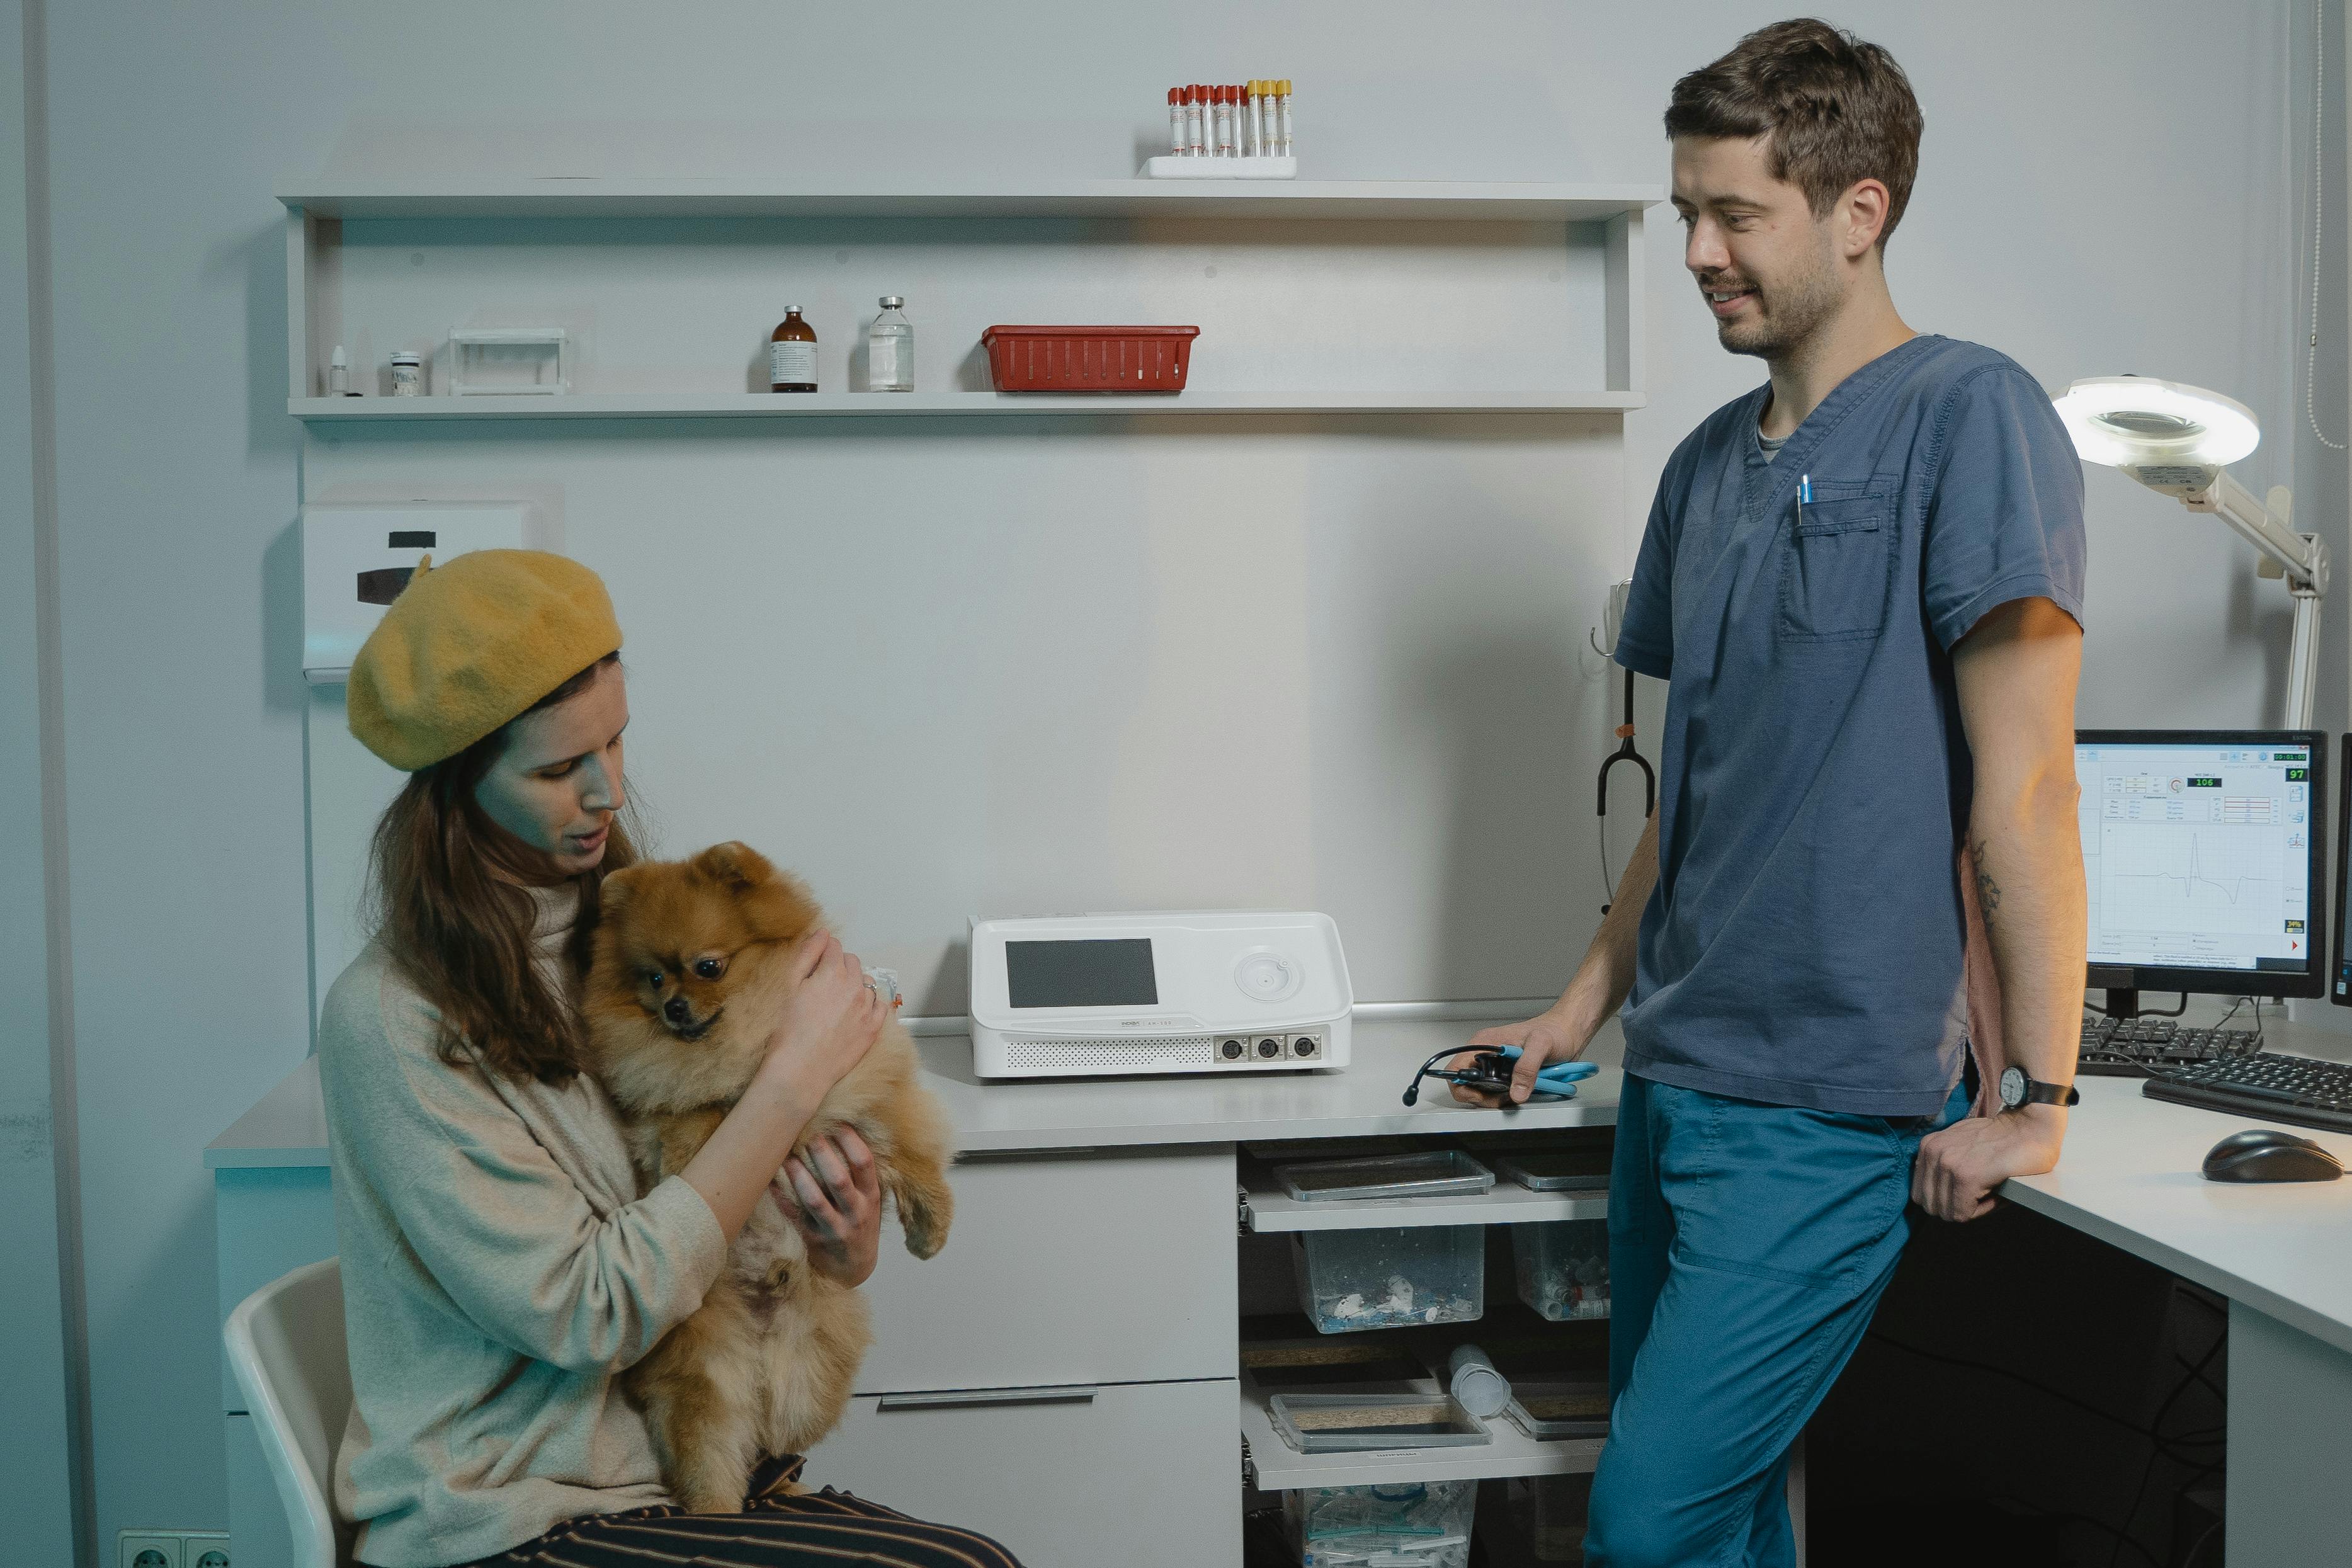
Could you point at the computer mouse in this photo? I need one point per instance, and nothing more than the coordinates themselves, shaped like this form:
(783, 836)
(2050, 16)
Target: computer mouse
(2267, 1154)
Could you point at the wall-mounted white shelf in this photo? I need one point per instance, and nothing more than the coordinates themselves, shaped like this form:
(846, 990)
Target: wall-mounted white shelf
(1430, 201)
(1597, 261)
(865, 405)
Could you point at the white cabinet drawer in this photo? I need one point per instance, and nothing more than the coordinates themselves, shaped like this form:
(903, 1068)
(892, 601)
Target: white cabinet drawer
(1144, 1473)
(1097, 1268)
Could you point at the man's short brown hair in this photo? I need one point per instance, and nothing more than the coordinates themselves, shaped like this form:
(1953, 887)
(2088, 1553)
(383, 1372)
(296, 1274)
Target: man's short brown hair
(1837, 110)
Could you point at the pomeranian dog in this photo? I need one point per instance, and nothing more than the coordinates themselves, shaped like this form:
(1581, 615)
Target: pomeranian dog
(691, 962)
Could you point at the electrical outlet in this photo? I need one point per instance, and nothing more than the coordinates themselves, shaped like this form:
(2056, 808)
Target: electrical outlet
(204, 1549)
(150, 1549)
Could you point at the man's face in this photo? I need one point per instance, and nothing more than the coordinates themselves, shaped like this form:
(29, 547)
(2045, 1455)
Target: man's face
(1766, 268)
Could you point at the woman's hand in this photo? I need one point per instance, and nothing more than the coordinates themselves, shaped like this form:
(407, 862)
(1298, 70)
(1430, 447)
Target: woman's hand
(837, 1205)
(832, 1020)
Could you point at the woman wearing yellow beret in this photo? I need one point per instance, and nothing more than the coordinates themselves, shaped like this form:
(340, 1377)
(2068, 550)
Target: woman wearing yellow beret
(499, 1268)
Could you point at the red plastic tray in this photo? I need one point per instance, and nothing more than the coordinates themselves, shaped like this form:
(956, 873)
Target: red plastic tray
(1089, 358)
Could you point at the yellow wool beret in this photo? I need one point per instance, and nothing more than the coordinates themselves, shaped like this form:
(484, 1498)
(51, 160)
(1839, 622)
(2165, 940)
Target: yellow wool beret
(469, 646)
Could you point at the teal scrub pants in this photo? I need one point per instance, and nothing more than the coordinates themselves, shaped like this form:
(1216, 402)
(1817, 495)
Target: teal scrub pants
(1748, 1245)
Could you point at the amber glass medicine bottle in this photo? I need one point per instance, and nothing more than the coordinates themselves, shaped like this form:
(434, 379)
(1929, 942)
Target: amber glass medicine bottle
(792, 354)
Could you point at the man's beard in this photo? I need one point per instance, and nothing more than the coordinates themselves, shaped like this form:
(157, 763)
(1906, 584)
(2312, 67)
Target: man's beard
(1799, 306)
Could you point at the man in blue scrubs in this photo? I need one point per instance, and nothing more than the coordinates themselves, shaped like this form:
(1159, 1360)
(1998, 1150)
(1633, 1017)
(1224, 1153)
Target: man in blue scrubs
(1864, 582)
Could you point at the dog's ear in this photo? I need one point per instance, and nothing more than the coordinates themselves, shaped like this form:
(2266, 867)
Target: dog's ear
(613, 892)
(734, 864)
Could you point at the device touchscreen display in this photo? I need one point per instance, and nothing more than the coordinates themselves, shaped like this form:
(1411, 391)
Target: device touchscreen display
(1101, 971)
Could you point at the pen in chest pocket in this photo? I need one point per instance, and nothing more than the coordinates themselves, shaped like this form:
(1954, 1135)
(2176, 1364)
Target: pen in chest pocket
(1804, 495)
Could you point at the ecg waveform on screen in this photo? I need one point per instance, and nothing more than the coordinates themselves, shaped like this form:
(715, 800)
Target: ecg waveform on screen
(2177, 877)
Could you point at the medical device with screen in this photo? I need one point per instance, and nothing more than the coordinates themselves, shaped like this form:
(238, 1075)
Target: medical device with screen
(2203, 852)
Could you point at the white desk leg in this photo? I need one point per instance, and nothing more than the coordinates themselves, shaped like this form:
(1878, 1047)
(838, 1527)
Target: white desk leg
(2290, 1444)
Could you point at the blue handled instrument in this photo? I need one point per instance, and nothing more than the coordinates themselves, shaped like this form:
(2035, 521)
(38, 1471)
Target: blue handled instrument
(1490, 1073)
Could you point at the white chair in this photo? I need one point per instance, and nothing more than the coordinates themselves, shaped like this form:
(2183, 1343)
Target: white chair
(285, 1348)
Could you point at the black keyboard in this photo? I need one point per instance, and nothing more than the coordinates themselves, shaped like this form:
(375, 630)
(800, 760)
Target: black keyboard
(2268, 1087)
(2136, 1047)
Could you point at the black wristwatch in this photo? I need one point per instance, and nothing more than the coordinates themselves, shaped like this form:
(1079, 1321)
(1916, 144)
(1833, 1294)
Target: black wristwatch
(2017, 1089)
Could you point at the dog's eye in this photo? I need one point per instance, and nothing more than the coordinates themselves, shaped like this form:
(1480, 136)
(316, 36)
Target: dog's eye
(654, 978)
(709, 968)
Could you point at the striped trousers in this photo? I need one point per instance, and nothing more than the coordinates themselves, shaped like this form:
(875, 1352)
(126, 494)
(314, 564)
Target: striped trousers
(817, 1530)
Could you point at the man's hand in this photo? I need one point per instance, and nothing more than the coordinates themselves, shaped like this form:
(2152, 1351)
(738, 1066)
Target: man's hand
(1958, 1168)
(1541, 1040)
(837, 1205)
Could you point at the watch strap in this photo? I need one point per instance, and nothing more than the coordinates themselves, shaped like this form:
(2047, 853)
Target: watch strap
(2040, 1093)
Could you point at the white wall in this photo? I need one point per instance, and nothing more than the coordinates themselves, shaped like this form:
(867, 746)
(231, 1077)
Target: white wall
(1450, 615)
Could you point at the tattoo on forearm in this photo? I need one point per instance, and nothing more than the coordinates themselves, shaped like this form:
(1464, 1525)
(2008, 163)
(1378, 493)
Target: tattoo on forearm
(1988, 890)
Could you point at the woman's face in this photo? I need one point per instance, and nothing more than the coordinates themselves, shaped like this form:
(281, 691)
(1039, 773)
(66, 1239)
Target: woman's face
(558, 783)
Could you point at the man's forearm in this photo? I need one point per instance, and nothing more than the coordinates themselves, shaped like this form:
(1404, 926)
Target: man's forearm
(1605, 976)
(2028, 866)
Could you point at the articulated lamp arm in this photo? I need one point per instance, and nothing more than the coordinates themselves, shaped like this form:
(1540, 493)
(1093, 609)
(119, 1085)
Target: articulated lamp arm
(2300, 558)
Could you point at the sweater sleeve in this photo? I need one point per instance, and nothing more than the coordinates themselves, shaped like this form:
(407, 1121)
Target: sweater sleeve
(504, 1231)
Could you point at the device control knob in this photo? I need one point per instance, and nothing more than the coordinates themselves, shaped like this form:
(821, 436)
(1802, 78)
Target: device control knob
(1265, 975)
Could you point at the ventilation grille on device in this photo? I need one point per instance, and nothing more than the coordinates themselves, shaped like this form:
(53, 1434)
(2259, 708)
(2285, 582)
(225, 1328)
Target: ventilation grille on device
(1108, 1051)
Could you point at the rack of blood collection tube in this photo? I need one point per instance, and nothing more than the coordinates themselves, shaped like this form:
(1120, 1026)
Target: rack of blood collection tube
(1236, 132)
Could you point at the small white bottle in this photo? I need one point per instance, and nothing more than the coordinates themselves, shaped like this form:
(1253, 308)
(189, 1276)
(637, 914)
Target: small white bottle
(891, 349)
(339, 374)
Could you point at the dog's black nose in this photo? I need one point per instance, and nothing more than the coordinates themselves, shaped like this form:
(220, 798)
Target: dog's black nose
(674, 1009)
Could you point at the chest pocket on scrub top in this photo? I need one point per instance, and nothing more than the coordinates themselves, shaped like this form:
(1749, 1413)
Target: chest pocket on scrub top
(1837, 565)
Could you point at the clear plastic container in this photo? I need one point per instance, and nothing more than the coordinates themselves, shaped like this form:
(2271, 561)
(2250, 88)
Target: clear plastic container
(1409, 1524)
(1551, 1411)
(1550, 1513)
(891, 349)
(1563, 1268)
(1325, 1366)
(1362, 1423)
(1431, 1173)
(1355, 1280)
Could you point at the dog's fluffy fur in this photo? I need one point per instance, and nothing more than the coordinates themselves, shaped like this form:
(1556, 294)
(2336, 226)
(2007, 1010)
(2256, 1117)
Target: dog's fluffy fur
(691, 968)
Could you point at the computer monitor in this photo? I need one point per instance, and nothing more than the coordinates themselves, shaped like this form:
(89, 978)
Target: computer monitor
(2203, 852)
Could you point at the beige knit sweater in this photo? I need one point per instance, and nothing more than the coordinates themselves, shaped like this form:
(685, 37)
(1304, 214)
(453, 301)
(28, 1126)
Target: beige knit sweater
(499, 1272)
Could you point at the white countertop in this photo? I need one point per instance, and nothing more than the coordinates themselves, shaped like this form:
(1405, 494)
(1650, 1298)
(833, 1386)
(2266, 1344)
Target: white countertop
(2130, 1174)
(289, 1126)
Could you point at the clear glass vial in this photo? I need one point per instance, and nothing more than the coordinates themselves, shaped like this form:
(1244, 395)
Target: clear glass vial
(891, 349)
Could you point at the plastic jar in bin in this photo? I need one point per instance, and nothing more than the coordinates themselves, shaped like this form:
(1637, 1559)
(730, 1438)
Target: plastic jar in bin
(1563, 1268)
(1407, 1524)
(1354, 1280)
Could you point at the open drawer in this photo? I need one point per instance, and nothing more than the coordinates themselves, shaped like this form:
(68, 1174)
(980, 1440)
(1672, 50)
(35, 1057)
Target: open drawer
(1266, 1207)
(1271, 1464)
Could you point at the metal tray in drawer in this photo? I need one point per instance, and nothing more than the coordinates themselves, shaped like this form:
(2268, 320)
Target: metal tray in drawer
(1064, 1269)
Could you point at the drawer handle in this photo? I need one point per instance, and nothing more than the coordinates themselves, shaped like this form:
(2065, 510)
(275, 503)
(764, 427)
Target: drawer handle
(1058, 1394)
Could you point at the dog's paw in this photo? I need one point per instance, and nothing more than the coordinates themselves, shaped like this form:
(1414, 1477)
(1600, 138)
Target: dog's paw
(927, 1227)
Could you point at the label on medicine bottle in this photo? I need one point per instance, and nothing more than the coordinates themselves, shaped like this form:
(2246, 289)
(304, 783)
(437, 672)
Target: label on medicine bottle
(791, 363)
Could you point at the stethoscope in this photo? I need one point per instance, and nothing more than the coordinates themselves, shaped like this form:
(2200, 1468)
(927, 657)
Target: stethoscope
(1490, 1073)
(1625, 753)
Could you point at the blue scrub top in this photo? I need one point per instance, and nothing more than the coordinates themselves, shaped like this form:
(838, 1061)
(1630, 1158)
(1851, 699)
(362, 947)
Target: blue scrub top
(1803, 944)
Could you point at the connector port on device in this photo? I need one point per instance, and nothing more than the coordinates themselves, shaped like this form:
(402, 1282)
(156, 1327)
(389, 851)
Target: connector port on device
(1269, 1047)
(1232, 1050)
(1305, 1046)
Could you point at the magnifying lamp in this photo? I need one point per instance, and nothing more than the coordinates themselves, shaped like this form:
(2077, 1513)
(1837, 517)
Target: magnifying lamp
(2179, 440)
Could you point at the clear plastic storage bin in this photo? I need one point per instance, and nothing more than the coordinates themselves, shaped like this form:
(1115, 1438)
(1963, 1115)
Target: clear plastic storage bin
(1563, 1268)
(1549, 1513)
(1365, 1422)
(1355, 1280)
(1549, 1411)
(1409, 1524)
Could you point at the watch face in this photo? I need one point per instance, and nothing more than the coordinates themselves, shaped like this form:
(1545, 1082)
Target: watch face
(2012, 1087)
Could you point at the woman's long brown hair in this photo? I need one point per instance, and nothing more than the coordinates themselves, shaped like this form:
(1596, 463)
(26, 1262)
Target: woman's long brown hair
(448, 891)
